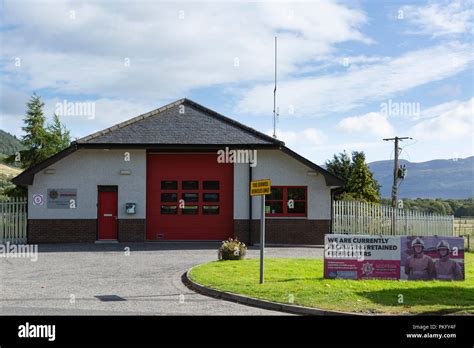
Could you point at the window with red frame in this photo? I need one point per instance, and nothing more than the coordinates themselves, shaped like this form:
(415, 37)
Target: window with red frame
(286, 201)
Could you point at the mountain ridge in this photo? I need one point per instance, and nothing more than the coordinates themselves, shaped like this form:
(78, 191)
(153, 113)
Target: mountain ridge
(437, 178)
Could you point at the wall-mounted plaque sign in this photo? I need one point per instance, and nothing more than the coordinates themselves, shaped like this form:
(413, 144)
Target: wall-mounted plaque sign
(62, 198)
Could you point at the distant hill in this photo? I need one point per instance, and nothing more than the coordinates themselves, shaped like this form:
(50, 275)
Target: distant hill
(9, 171)
(9, 144)
(432, 179)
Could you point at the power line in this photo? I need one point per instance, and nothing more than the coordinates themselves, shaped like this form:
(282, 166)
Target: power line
(407, 145)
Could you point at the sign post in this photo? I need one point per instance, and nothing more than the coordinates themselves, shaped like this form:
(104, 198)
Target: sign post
(261, 188)
(262, 238)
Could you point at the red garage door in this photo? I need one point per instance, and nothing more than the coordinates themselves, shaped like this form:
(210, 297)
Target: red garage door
(189, 197)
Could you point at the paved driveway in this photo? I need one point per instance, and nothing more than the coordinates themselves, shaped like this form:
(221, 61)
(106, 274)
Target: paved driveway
(67, 278)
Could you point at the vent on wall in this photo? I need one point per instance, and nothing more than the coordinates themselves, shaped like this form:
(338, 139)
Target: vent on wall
(49, 171)
(160, 236)
(125, 172)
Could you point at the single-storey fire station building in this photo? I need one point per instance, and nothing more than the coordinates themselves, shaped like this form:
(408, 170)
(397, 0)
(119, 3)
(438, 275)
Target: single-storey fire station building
(181, 172)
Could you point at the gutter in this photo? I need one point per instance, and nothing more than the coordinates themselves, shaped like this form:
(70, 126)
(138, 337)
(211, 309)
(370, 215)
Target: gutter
(250, 208)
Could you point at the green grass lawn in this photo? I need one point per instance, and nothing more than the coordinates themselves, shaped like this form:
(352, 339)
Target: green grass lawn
(301, 280)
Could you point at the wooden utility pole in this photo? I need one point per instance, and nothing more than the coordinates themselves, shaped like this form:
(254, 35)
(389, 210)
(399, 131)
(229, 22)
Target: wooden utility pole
(395, 177)
(395, 168)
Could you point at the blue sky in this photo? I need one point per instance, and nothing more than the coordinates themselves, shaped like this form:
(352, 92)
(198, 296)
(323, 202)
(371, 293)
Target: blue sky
(350, 73)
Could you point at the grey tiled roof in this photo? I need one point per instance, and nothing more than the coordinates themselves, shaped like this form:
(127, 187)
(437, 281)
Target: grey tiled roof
(183, 122)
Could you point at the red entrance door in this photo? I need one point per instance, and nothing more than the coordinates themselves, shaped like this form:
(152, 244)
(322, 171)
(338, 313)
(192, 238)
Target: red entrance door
(107, 212)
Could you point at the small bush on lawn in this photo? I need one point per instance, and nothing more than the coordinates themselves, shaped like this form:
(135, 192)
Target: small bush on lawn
(232, 249)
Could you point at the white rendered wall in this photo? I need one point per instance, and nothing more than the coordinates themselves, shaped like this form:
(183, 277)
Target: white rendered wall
(283, 170)
(84, 170)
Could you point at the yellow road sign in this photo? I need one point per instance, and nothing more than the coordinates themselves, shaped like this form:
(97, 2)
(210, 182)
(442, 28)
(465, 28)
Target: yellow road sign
(260, 187)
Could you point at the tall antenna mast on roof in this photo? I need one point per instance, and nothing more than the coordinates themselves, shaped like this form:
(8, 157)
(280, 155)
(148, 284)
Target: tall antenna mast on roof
(275, 111)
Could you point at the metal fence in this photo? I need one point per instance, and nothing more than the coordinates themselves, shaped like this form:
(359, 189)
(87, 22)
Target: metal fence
(464, 227)
(365, 218)
(13, 218)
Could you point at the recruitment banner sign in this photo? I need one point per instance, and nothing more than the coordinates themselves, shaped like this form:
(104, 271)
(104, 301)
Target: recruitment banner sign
(393, 257)
(361, 257)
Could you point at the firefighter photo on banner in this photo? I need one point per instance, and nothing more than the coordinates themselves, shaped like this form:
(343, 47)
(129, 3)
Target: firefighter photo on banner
(432, 258)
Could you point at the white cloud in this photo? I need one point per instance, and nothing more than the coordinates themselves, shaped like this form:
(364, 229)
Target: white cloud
(449, 18)
(342, 92)
(371, 123)
(439, 109)
(360, 60)
(308, 142)
(172, 47)
(108, 112)
(449, 121)
(308, 137)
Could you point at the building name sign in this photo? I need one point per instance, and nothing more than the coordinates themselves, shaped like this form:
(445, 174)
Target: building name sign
(62, 198)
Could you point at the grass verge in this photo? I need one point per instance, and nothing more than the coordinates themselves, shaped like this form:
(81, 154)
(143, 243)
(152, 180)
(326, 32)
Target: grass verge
(300, 281)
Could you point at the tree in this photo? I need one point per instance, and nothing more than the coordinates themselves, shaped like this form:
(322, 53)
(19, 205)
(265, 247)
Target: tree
(35, 138)
(58, 137)
(360, 183)
(466, 210)
(5, 186)
(340, 166)
(41, 141)
(456, 207)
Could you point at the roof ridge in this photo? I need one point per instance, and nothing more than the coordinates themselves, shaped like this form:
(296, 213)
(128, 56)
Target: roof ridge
(181, 101)
(234, 122)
